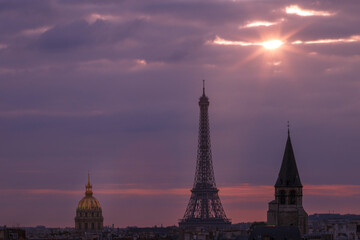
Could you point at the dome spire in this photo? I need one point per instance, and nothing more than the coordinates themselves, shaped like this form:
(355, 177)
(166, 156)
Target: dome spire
(88, 187)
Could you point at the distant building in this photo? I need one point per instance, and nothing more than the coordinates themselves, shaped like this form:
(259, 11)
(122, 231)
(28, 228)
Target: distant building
(287, 209)
(334, 227)
(88, 213)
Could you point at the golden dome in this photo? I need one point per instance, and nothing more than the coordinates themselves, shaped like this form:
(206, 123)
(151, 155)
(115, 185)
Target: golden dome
(88, 202)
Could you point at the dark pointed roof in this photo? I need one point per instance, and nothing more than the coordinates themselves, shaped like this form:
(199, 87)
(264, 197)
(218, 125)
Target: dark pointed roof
(288, 175)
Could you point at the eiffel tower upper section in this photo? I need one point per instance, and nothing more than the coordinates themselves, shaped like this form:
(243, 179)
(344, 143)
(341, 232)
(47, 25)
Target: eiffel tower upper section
(204, 176)
(204, 208)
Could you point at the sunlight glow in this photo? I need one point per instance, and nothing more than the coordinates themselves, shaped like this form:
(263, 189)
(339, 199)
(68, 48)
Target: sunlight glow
(220, 41)
(141, 61)
(258, 24)
(261, 24)
(276, 63)
(273, 44)
(2, 46)
(295, 9)
(35, 31)
(104, 17)
(355, 38)
(268, 44)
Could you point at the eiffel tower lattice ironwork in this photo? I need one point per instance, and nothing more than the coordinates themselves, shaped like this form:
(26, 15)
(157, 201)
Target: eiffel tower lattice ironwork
(204, 209)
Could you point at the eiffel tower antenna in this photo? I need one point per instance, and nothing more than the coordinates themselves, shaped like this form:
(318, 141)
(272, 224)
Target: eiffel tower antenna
(204, 208)
(203, 87)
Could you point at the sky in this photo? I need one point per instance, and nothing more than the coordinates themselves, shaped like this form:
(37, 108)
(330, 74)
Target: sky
(112, 88)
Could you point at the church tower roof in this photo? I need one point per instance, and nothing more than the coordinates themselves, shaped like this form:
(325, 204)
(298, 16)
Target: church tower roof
(288, 175)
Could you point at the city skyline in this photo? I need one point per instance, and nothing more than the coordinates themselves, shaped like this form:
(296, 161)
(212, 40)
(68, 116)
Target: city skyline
(112, 88)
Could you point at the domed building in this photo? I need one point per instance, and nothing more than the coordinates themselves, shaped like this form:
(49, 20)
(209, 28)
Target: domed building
(88, 213)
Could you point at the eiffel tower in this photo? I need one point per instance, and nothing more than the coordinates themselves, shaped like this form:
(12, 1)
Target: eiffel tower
(204, 209)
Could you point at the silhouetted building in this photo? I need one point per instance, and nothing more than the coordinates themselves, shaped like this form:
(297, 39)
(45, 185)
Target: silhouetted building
(12, 233)
(287, 209)
(204, 209)
(88, 213)
(275, 233)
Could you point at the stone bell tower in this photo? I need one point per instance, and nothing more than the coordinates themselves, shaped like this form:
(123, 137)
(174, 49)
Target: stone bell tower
(287, 209)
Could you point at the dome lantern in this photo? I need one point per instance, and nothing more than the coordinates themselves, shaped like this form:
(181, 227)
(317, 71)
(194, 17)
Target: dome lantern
(88, 188)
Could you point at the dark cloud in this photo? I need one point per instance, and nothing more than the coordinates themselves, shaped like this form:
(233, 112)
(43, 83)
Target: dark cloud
(66, 37)
(19, 15)
(82, 34)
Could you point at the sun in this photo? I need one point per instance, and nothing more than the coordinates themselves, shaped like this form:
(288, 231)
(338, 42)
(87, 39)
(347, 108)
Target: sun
(272, 44)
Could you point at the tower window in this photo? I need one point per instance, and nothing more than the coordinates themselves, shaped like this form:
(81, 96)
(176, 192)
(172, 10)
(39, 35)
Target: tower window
(92, 226)
(292, 199)
(282, 197)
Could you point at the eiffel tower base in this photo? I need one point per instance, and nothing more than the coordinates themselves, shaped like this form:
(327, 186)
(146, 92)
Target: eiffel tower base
(205, 224)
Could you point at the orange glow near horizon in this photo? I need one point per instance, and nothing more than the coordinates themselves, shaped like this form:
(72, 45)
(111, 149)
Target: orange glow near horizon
(241, 191)
(244, 202)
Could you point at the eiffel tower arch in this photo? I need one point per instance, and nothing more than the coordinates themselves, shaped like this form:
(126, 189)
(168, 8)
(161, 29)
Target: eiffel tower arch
(204, 209)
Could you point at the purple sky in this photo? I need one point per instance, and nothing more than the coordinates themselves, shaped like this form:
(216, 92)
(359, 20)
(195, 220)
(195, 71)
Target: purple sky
(112, 87)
